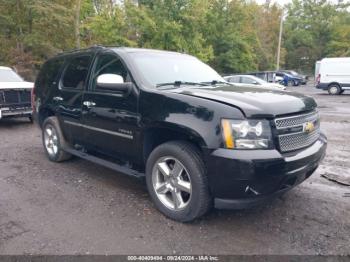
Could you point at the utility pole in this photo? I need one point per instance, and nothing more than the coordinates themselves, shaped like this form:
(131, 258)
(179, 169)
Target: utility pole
(77, 24)
(279, 42)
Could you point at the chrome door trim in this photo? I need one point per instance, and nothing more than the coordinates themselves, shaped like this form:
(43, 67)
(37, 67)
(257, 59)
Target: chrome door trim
(100, 130)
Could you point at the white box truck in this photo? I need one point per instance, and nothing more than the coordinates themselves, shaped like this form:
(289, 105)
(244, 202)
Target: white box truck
(333, 75)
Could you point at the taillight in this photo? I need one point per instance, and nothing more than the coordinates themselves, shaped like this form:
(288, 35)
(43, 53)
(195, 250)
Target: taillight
(318, 79)
(33, 98)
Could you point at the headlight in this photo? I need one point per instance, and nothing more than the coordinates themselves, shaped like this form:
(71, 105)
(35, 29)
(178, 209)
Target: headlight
(246, 134)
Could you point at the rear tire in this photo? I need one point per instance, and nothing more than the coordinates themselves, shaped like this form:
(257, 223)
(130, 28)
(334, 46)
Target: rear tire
(334, 89)
(177, 182)
(53, 140)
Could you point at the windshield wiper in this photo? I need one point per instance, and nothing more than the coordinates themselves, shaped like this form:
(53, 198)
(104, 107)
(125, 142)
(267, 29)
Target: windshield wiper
(215, 82)
(177, 84)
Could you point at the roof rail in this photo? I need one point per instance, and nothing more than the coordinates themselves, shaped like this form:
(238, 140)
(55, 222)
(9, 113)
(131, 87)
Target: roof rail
(81, 49)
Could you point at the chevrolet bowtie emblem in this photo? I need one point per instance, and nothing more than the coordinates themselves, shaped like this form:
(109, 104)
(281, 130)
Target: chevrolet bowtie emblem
(308, 127)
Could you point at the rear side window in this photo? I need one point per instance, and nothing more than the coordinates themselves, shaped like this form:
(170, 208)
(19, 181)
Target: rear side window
(75, 74)
(49, 72)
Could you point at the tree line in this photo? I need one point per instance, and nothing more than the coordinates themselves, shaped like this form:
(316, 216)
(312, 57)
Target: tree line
(233, 36)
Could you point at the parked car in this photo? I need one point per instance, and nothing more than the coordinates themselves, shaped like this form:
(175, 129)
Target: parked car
(289, 79)
(14, 95)
(248, 80)
(268, 76)
(334, 75)
(304, 78)
(198, 140)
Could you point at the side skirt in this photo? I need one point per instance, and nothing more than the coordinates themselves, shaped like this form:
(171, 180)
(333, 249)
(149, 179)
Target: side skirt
(111, 165)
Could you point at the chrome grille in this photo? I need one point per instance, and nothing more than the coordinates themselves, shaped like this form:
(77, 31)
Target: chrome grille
(297, 140)
(292, 133)
(294, 121)
(12, 97)
(2, 98)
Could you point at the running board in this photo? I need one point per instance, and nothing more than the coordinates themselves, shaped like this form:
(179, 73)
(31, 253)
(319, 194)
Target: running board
(105, 163)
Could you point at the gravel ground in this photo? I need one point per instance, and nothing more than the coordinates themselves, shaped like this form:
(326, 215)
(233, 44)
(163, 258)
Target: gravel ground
(80, 208)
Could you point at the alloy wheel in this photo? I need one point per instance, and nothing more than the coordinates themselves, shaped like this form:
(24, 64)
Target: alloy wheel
(51, 140)
(171, 183)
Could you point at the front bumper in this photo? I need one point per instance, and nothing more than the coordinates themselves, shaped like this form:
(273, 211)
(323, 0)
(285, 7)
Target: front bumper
(17, 111)
(242, 179)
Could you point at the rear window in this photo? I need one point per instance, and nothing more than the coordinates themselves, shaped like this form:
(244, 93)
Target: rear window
(75, 74)
(7, 75)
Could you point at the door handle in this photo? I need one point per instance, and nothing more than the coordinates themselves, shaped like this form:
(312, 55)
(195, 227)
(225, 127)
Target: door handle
(58, 98)
(89, 103)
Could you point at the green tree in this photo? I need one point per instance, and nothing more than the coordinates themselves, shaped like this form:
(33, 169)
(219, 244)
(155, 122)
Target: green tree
(340, 43)
(312, 32)
(229, 29)
(174, 25)
(33, 30)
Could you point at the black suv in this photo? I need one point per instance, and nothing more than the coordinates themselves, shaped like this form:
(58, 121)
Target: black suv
(198, 140)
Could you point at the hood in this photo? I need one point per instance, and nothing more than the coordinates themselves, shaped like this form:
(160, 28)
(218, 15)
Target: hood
(16, 85)
(254, 102)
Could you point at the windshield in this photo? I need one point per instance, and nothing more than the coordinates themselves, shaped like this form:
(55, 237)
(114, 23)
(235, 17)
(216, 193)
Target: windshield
(293, 73)
(7, 75)
(162, 67)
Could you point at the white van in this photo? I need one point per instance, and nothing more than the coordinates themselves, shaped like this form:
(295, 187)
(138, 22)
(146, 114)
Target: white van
(334, 75)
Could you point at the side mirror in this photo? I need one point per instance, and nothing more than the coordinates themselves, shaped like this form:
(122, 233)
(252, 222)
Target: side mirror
(255, 83)
(112, 82)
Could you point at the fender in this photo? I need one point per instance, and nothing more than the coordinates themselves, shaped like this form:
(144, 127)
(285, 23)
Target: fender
(196, 117)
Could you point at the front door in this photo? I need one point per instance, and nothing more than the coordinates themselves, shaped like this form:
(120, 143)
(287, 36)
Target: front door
(110, 118)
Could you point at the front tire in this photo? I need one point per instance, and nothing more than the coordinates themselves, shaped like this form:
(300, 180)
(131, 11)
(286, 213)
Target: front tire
(177, 182)
(334, 89)
(54, 141)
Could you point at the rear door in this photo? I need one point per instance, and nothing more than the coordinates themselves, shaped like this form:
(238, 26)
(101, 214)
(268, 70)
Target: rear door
(69, 95)
(110, 118)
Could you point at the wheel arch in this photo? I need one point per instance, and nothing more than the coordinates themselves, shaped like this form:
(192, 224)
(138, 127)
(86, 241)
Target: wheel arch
(157, 135)
(43, 114)
(334, 83)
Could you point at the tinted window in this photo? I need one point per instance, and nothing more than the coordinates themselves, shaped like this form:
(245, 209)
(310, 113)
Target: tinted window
(109, 64)
(75, 74)
(7, 75)
(49, 72)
